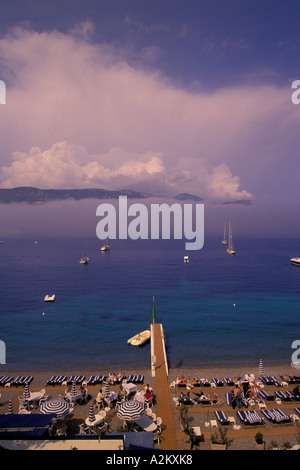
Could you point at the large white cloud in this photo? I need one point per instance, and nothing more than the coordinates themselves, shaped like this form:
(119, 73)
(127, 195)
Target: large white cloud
(78, 115)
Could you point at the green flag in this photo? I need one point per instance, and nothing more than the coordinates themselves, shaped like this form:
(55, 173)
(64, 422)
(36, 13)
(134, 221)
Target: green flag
(152, 316)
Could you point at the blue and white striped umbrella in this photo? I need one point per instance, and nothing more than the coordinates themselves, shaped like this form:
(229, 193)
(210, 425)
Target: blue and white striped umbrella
(106, 389)
(92, 412)
(130, 410)
(261, 368)
(10, 408)
(74, 390)
(57, 407)
(26, 393)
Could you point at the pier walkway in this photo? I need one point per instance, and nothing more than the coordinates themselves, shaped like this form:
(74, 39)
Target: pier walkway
(168, 438)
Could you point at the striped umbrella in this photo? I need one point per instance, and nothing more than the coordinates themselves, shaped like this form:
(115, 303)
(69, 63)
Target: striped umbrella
(10, 408)
(26, 393)
(92, 412)
(261, 368)
(106, 389)
(130, 410)
(57, 407)
(73, 390)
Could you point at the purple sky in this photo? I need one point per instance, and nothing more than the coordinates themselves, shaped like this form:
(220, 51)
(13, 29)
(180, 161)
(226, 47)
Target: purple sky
(164, 96)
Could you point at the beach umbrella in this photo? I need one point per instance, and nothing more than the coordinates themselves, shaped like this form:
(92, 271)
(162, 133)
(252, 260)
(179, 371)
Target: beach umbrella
(10, 408)
(57, 407)
(92, 413)
(73, 390)
(130, 410)
(261, 368)
(26, 393)
(106, 389)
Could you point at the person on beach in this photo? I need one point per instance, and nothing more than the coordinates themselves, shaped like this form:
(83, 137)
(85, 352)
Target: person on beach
(148, 394)
(83, 391)
(99, 398)
(238, 397)
(121, 393)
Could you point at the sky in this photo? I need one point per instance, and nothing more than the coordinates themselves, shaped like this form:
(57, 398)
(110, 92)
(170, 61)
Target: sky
(164, 96)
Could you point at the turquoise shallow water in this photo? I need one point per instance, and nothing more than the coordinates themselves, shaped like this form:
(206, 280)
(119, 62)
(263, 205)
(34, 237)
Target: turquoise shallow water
(215, 310)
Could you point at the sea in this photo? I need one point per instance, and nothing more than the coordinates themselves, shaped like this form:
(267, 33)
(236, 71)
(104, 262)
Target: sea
(217, 310)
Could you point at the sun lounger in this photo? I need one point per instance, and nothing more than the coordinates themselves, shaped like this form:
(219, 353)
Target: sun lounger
(28, 379)
(276, 382)
(228, 397)
(131, 378)
(17, 381)
(195, 382)
(221, 417)
(250, 417)
(218, 382)
(288, 378)
(266, 396)
(56, 380)
(282, 395)
(205, 383)
(276, 416)
(297, 410)
(78, 379)
(95, 379)
(139, 379)
(5, 379)
(228, 381)
(266, 380)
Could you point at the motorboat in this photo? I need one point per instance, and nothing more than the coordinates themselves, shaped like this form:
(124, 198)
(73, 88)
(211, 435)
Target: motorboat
(106, 246)
(186, 259)
(140, 338)
(49, 298)
(296, 261)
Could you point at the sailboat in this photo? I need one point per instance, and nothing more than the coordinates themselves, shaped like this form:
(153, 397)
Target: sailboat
(85, 259)
(224, 241)
(106, 246)
(230, 250)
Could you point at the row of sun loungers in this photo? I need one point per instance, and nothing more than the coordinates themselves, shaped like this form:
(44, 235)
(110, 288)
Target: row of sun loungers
(251, 417)
(21, 380)
(93, 380)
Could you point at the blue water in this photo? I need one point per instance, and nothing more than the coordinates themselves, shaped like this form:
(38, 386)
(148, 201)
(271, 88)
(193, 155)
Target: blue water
(216, 310)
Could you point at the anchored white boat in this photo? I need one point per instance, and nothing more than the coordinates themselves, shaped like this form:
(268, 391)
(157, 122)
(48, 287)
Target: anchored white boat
(224, 241)
(49, 298)
(85, 259)
(140, 338)
(296, 261)
(106, 246)
(230, 250)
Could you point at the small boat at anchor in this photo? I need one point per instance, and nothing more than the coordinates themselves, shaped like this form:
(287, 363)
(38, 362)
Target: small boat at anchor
(49, 298)
(106, 246)
(295, 261)
(140, 338)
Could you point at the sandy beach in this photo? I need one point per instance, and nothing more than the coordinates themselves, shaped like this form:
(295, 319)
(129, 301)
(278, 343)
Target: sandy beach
(199, 415)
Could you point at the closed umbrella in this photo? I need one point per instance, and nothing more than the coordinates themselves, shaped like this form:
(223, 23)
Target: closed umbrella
(106, 389)
(10, 408)
(57, 407)
(92, 413)
(130, 410)
(73, 390)
(26, 393)
(261, 368)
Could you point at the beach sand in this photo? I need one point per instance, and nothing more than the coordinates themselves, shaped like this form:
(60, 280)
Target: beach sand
(242, 439)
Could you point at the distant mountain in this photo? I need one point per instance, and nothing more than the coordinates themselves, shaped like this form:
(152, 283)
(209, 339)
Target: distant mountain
(187, 197)
(34, 195)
